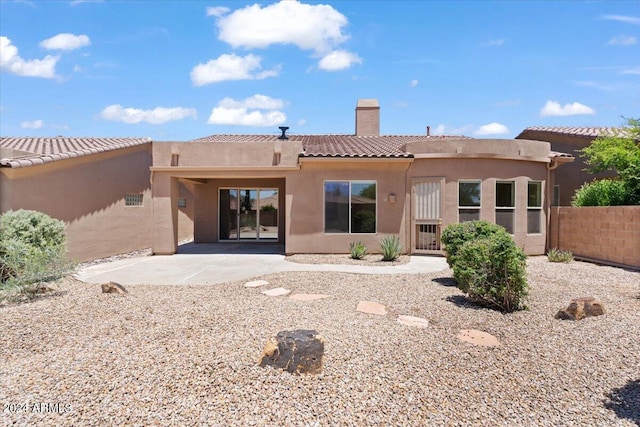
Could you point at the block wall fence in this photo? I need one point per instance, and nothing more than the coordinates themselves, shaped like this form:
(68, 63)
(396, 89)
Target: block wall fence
(609, 235)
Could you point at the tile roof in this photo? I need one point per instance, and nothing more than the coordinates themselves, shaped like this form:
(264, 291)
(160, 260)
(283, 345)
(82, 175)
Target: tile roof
(38, 151)
(348, 146)
(586, 132)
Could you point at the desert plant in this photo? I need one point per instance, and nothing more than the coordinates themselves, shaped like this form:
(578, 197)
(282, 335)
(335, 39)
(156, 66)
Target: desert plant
(492, 271)
(604, 192)
(32, 251)
(557, 255)
(391, 248)
(455, 235)
(486, 264)
(358, 250)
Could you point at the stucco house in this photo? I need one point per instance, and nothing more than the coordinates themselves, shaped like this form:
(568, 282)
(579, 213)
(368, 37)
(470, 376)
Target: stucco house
(334, 189)
(98, 186)
(308, 193)
(569, 140)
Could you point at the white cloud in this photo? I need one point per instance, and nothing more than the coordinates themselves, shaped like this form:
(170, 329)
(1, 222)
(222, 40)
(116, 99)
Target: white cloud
(448, 130)
(634, 71)
(414, 83)
(65, 41)
(317, 28)
(217, 11)
(256, 102)
(36, 124)
(622, 40)
(338, 60)
(230, 67)
(247, 112)
(492, 129)
(77, 2)
(11, 61)
(496, 42)
(553, 108)
(156, 116)
(310, 27)
(302, 122)
(622, 18)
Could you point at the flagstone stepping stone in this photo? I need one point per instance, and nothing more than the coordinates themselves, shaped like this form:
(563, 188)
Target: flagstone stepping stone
(418, 322)
(256, 284)
(479, 338)
(276, 292)
(371, 307)
(308, 297)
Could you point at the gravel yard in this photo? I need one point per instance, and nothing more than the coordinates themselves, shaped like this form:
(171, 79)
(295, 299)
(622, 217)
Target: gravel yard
(187, 355)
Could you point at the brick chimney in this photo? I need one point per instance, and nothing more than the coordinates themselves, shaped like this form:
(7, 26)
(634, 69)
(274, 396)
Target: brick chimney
(367, 117)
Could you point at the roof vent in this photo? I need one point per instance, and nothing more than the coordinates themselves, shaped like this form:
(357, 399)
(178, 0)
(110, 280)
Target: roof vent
(284, 130)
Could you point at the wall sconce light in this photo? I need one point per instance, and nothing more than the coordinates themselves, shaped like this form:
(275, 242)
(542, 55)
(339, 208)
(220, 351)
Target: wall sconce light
(277, 147)
(392, 198)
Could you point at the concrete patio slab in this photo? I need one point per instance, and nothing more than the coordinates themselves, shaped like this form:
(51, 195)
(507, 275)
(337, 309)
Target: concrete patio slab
(208, 264)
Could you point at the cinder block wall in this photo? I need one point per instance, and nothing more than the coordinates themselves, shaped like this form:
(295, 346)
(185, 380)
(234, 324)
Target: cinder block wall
(607, 234)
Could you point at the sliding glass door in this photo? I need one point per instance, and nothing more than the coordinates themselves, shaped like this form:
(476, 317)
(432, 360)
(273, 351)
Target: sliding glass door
(248, 214)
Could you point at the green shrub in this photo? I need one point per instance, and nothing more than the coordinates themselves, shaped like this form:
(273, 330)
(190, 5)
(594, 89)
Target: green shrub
(32, 251)
(556, 255)
(391, 248)
(605, 192)
(455, 235)
(358, 250)
(486, 264)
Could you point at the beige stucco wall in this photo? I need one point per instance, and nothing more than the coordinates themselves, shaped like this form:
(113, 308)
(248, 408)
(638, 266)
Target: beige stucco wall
(87, 193)
(607, 234)
(488, 171)
(569, 177)
(211, 166)
(305, 204)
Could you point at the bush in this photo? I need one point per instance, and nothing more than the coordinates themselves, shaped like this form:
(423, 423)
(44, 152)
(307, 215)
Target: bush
(358, 250)
(486, 264)
(455, 235)
(391, 248)
(556, 255)
(32, 251)
(605, 192)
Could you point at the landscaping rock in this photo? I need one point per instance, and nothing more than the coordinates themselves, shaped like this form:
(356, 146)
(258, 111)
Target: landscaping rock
(276, 292)
(417, 322)
(478, 338)
(371, 307)
(308, 297)
(580, 308)
(299, 351)
(256, 284)
(113, 288)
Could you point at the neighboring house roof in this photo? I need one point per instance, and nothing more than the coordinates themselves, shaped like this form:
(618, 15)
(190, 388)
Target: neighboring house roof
(385, 146)
(584, 132)
(23, 152)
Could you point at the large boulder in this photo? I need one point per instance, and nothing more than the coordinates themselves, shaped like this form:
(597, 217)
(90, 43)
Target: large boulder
(113, 288)
(299, 351)
(580, 308)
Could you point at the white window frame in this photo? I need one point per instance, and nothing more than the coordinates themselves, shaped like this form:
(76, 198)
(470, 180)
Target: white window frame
(511, 209)
(350, 182)
(535, 208)
(479, 207)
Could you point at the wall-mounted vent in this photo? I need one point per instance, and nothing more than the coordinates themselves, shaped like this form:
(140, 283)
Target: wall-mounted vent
(133, 199)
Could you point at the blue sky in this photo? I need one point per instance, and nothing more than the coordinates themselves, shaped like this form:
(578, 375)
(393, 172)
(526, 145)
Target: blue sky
(178, 70)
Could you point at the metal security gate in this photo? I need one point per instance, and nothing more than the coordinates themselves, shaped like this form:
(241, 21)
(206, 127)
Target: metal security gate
(427, 215)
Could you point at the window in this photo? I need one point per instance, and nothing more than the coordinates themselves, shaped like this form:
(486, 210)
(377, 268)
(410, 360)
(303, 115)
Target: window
(534, 207)
(350, 207)
(556, 195)
(182, 202)
(505, 204)
(468, 200)
(133, 199)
